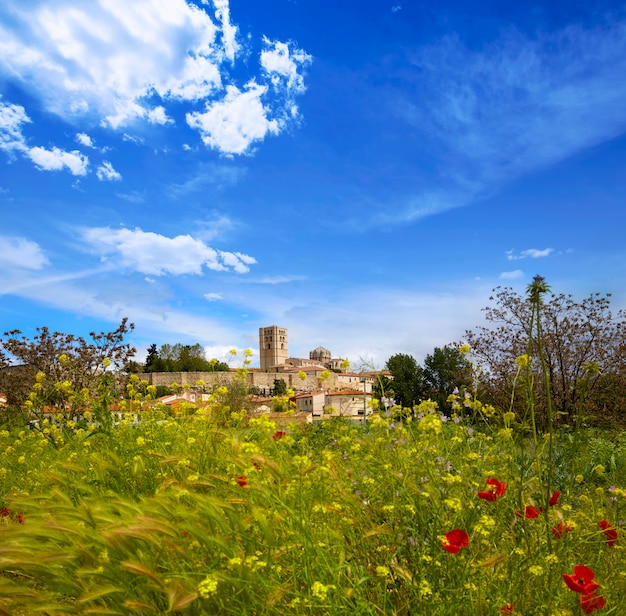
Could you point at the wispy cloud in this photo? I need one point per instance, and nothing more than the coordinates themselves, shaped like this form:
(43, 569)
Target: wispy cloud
(514, 275)
(530, 253)
(278, 279)
(208, 175)
(153, 254)
(21, 253)
(132, 197)
(212, 228)
(515, 106)
(213, 297)
(106, 172)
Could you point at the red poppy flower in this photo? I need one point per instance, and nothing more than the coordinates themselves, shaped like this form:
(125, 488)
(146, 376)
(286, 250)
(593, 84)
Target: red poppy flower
(560, 529)
(591, 602)
(242, 480)
(278, 435)
(554, 499)
(609, 532)
(455, 540)
(529, 512)
(581, 580)
(495, 489)
(20, 518)
(4, 512)
(506, 609)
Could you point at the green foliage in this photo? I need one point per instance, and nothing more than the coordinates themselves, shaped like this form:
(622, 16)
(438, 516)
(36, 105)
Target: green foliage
(280, 387)
(181, 358)
(445, 370)
(407, 386)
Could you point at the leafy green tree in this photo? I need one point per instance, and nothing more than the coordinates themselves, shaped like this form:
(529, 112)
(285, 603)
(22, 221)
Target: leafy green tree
(151, 357)
(407, 385)
(181, 358)
(280, 387)
(445, 369)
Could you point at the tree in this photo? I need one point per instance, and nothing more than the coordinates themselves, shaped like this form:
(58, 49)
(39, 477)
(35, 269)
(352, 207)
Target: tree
(181, 358)
(583, 343)
(61, 358)
(151, 357)
(444, 370)
(280, 387)
(408, 385)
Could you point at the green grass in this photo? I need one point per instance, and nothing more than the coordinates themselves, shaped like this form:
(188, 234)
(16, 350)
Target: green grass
(332, 519)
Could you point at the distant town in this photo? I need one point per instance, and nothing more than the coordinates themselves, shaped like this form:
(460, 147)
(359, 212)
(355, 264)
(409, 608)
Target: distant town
(319, 386)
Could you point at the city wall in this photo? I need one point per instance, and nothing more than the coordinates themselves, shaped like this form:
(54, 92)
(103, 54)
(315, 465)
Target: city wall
(264, 381)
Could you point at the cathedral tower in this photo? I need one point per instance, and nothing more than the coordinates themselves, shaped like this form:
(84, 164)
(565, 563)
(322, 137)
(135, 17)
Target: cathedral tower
(272, 347)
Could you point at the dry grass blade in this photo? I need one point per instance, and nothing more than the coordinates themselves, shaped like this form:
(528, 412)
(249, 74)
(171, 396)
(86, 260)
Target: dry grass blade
(101, 592)
(141, 570)
(178, 598)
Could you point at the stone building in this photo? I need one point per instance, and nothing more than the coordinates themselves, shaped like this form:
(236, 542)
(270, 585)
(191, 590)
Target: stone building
(321, 355)
(273, 347)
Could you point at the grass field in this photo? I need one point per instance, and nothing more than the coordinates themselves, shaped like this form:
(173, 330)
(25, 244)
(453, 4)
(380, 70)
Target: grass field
(435, 515)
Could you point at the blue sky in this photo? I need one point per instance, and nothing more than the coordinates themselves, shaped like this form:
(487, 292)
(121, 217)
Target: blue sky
(363, 174)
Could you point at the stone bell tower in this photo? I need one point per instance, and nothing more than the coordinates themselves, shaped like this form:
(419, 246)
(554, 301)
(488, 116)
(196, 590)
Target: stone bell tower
(272, 347)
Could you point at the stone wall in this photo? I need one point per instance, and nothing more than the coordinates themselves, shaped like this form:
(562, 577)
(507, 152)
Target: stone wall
(260, 380)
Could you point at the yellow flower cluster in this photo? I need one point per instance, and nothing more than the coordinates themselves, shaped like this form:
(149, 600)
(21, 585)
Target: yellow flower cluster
(320, 591)
(207, 587)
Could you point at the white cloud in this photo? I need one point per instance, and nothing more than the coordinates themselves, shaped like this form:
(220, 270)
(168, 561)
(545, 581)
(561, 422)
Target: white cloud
(514, 275)
(283, 65)
(85, 140)
(11, 119)
(238, 261)
(153, 254)
(12, 140)
(223, 353)
(119, 63)
(106, 55)
(21, 253)
(56, 159)
(213, 297)
(106, 172)
(228, 30)
(233, 124)
(532, 253)
(158, 115)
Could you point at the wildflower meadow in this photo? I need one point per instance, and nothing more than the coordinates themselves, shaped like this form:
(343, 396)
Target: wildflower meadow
(214, 510)
(431, 515)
